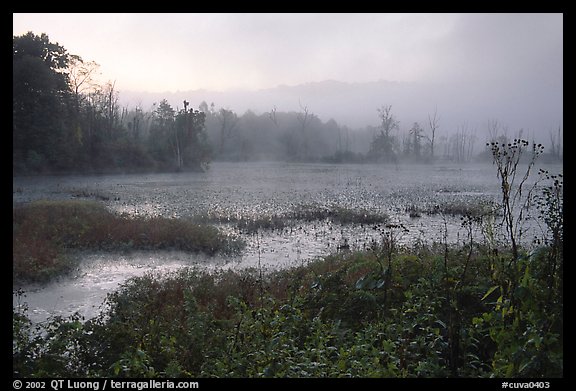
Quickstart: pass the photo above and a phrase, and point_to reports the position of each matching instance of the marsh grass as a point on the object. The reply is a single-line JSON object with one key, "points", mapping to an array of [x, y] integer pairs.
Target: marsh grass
{"points": [[44, 231], [338, 214], [454, 208], [300, 213]]}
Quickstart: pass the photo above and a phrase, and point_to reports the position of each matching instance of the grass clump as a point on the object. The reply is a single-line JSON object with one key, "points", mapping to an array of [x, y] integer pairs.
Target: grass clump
{"points": [[301, 213], [44, 231], [455, 208], [338, 214]]}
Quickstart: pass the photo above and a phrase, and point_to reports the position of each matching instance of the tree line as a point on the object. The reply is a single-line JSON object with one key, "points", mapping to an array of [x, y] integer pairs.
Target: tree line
{"points": [[63, 120]]}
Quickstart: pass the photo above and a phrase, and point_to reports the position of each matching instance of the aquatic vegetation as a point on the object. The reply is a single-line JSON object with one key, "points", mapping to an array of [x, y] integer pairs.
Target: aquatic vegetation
{"points": [[43, 231], [300, 213], [429, 309], [338, 214], [461, 208]]}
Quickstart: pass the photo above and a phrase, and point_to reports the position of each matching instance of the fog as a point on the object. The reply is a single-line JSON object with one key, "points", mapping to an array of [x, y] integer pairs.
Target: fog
{"points": [[534, 108], [227, 181], [471, 67]]}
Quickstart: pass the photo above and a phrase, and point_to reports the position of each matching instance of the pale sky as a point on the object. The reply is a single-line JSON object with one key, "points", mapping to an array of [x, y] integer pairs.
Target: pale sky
{"points": [[170, 52]]}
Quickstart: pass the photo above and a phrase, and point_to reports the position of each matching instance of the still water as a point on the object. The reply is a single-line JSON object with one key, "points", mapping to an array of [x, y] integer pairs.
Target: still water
{"points": [[255, 190]]}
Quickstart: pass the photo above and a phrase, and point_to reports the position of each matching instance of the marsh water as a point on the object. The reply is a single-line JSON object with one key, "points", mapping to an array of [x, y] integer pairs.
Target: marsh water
{"points": [[231, 191]]}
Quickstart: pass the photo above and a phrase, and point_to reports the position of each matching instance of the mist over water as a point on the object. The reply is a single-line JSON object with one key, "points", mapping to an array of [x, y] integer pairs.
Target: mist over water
{"points": [[229, 192]]}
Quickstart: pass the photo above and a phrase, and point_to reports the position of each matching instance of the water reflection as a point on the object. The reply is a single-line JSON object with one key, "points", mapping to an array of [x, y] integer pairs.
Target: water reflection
{"points": [[228, 192]]}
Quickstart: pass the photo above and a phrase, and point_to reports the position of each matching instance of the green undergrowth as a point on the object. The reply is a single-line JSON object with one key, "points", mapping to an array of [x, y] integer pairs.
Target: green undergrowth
{"points": [[44, 232], [431, 312]]}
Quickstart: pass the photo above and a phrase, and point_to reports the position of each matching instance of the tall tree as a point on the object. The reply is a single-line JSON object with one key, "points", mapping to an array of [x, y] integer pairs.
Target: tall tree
{"points": [[462, 143], [556, 143], [303, 118], [382, 146], [416, 133], [189, 139], [433, 124], [178, 139], [81, 75], [228, 122], [273, 117], [161, 131], [40, 101], [110, 108]]}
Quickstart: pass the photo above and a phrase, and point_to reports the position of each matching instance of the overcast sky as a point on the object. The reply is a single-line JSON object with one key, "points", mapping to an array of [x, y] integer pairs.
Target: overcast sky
{"points": [[169, 52], [471, 67]]}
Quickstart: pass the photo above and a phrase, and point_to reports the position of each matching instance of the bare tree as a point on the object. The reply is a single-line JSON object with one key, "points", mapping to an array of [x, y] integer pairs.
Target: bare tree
{"points": [[416, 134], [497, 132], [382, 146], [388, 122], [81, 75], [471, 142], [433, 124], [303, 118], [493, 129], [462, 143], [556, 142], [111, 107]]}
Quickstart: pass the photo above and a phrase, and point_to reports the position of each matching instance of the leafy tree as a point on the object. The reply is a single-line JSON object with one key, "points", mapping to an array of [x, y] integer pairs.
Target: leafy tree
{"points": [[190, 141], [160, 132], [178, 140], [40, 102], [63, 119]]}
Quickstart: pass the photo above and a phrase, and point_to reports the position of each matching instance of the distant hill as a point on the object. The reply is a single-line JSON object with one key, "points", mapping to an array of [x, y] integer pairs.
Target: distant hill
{"points": [[531, 107]]}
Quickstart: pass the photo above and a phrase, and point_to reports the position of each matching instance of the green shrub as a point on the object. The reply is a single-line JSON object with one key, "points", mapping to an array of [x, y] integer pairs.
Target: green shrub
{"points": [[445, 311]]}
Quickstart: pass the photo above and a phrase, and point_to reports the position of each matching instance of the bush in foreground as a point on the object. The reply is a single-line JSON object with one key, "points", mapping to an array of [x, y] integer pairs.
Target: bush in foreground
{"points": [[330, 318]]}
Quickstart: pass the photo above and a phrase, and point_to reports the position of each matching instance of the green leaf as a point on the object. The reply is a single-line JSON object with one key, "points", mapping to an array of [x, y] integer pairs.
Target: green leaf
{"points": [[360, 283], [522, 292], [441, 323], [366, 282], [489, 292], [477, 320]]}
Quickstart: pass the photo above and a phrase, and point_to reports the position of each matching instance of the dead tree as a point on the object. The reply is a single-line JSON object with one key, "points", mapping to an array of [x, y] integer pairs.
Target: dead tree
{"points": [[433, 124], [303, 120]]}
